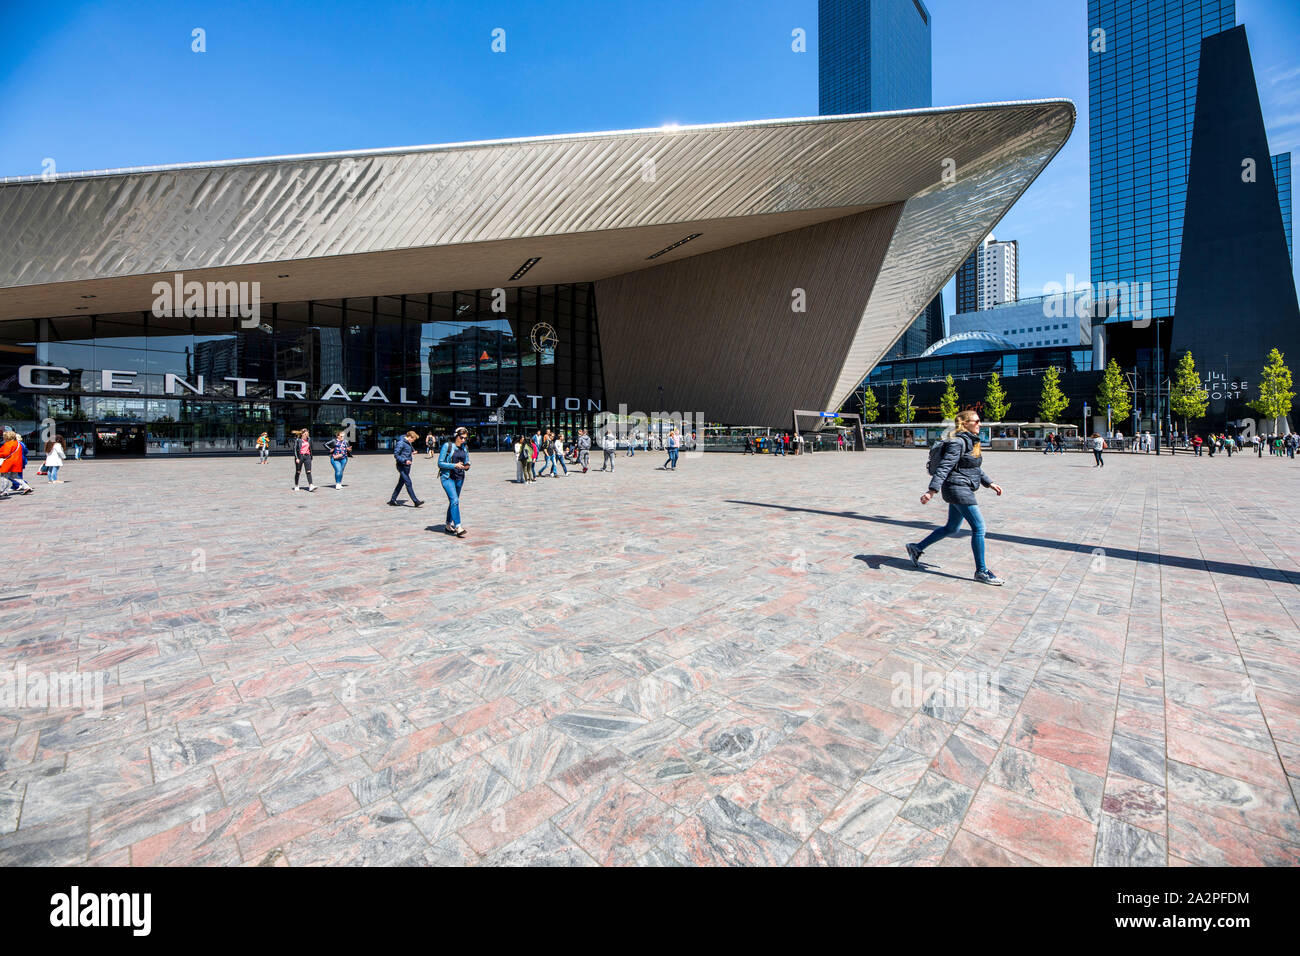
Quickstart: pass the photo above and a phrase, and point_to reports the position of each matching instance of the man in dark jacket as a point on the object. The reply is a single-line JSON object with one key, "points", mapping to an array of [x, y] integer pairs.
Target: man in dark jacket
{"points": [[957, 476], [403, 452]]}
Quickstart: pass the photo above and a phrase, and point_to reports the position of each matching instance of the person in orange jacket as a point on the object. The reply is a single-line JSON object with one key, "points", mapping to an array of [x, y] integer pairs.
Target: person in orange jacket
{"points": [[12, 463]]}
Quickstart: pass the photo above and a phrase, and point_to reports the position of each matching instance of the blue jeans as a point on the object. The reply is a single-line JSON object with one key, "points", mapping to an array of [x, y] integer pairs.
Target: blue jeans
{"points": [[53, 473], [972, 516], [339, 464], [672, 458], [451, 484]]}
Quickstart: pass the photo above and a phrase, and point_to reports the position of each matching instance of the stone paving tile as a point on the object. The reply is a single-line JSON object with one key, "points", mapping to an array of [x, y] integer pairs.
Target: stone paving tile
{"points": [[669, 688]]}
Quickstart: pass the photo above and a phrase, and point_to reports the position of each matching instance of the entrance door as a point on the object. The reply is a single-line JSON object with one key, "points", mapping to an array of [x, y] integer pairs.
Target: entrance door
{"points": [[119, 439]]}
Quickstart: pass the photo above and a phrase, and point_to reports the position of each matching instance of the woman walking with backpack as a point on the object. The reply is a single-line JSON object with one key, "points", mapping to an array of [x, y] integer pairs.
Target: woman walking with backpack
{"points": [[956, 473], [453, 462]]}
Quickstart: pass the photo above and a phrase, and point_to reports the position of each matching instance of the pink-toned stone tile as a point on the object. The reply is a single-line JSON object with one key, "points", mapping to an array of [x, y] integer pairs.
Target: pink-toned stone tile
{"points": [[1062, 744], [967, 849], [512, 819], [1028, 829]]}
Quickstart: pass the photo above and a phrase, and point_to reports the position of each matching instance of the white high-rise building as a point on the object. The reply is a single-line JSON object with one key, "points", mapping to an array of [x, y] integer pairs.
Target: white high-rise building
{"points": [[990, 276]]}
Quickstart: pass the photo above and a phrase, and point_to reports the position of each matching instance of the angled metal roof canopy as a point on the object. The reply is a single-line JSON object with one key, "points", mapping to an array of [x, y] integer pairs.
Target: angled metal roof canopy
{"points": [[890, 203]]}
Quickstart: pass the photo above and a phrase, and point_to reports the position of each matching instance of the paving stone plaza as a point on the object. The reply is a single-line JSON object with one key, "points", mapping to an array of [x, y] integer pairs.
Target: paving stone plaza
{"points": [[733, 664]]}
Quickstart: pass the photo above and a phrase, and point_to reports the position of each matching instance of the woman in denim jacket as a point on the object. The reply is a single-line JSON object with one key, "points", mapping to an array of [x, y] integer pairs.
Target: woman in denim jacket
{"points": [[453, 462]]}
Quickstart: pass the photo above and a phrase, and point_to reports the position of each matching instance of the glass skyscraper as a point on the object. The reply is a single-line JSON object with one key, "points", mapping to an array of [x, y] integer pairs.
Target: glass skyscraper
{"points": [[1142, 71], [874, 55]]}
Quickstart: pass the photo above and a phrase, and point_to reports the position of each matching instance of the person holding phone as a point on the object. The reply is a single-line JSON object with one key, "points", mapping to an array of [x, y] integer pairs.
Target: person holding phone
{"points": [[453, 462]]}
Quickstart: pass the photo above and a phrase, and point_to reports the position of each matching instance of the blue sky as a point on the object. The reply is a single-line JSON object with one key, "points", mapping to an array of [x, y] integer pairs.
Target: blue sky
{"points": [[102, 85]]}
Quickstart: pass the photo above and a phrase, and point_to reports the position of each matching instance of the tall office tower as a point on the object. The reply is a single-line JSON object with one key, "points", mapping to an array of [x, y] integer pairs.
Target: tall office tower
{"points": [[990, 276], [1236, 294], [1142, 69], [874, 55]]}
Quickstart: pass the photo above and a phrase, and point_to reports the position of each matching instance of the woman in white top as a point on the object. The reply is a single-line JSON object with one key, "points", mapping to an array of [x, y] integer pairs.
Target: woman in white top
{"points": [[54, 458]]}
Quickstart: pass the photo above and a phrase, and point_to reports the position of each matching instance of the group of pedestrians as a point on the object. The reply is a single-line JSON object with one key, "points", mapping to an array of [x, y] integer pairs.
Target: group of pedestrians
{"points": [[13, 462], [1055, 443], [1280, 446], [781, 444], [548, 446]]}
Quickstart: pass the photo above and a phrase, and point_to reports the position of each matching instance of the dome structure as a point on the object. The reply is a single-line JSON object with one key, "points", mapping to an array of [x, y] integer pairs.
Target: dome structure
{"points": [[974, 341]]}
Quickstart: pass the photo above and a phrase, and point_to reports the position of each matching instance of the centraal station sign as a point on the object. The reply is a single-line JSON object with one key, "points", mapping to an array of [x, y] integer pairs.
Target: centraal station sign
{"points": [[117, 382]]}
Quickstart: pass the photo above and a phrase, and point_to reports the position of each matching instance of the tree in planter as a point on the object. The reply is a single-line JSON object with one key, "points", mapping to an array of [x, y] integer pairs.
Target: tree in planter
{"points": [[1188, 399], [1113, 391], [1275, 395], [903, 409], [995, 400], [949, 404], [1052, 401], [870, 406]]}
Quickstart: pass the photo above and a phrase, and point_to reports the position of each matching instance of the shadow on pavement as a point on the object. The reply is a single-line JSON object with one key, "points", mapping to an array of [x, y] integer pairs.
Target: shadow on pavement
{"points": [[1122, 554]]}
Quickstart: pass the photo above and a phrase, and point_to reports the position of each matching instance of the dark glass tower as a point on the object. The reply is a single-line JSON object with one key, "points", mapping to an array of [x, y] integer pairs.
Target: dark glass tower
{"points": [[1142, 72], [874, 55], [1236, 297]]}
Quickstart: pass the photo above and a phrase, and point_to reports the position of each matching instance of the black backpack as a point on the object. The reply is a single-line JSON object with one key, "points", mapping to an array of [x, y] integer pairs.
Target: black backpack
{"points": [[936, 454]]}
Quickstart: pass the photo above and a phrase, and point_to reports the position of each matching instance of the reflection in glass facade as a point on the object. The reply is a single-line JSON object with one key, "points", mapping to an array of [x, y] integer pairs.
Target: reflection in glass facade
{"points": [[1141, 104], [1282, 179], [139, 383]]}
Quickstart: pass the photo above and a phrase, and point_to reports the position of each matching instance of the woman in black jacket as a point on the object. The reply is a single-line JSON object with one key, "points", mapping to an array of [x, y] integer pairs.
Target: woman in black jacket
{"points": [[956, 477]]}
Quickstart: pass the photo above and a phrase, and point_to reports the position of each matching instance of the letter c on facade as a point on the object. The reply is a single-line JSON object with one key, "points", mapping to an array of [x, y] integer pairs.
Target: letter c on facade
{"points": [[25, 376]]}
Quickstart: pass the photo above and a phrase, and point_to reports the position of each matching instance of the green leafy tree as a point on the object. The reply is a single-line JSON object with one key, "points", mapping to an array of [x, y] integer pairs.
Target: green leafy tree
{"points": [[870, 406], [1275, 395], [1188, 398], [904, 409], [950, 404], [995, 400], [1052, 401], [1113, 391]]}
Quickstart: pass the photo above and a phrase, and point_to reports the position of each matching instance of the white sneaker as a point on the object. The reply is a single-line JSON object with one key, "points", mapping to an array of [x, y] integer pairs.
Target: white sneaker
{"points": [[338, 487], [311, 487]]}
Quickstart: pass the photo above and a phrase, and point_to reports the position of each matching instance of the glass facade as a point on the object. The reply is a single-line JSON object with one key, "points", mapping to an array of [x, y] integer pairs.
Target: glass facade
{"points": [[1141, 105], [1282, 179], [140, 383], [1020, 372], [873, 55]]}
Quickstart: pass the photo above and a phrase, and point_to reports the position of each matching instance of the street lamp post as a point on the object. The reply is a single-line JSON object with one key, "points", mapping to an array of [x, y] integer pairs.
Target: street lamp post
{"points": [[661, 414], [1155, 414]]}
